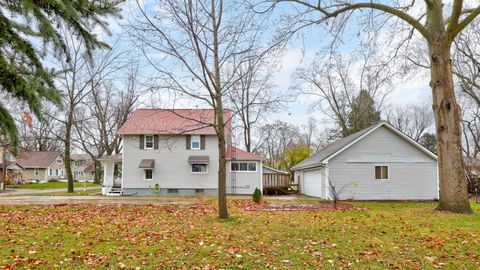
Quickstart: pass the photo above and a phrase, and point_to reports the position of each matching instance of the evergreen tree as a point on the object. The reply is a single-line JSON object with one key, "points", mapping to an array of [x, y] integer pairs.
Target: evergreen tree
{"points": [[362, 113], [23, 23]]}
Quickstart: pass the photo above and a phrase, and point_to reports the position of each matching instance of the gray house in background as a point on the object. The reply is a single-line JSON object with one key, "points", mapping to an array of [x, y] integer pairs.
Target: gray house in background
{"points": [[176, 152], [377, 163]]}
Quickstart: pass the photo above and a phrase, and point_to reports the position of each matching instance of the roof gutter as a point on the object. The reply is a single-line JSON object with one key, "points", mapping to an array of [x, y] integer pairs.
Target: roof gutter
{"points": [[314, 166]]}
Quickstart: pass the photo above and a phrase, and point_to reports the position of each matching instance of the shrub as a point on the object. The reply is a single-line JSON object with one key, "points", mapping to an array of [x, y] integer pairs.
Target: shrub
{"points": [[257, 196], [53, 180]]}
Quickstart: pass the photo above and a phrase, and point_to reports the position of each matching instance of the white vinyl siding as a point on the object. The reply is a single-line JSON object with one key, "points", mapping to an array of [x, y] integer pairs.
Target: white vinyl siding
{"points": [[412, 175]]}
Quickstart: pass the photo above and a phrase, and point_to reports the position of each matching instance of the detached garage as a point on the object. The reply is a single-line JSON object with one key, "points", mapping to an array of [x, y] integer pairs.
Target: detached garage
{"points": [[377, 163]]}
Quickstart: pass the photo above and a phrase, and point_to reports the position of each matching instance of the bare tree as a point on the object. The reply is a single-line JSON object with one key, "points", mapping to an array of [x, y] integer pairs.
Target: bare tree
{"points": [[438, 25], [413, 120], [36, 135], [275, 138], [80, 76], [105, 110], [195, 48], [254, 94], [336, 81]]}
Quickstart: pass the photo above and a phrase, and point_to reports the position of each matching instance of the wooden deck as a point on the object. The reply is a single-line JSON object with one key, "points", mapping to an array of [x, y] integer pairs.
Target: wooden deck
{"points": [[275, 183]]}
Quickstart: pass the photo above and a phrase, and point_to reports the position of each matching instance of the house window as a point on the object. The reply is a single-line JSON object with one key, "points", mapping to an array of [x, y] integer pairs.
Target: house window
{"points": [[59, 160], [172, 190], [195, 143], [36, 172], [148, 142], [381, 172], [244, 167], [199, 168], [53, 172], [148, 174], [79, 163]]}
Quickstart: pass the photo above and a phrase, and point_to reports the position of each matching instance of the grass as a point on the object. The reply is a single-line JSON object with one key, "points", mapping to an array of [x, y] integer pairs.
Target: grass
{"points": [[404, 235], [52, 185], [78, 192]]}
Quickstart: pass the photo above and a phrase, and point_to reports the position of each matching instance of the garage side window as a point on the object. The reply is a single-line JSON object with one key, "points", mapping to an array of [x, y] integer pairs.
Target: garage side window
{"points": [[381, 172]]}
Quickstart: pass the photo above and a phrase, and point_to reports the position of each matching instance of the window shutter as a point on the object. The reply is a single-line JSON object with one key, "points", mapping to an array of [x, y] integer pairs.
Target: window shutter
{"points": [[202, 142], [189, 142], [155, 142], [142, 141]]}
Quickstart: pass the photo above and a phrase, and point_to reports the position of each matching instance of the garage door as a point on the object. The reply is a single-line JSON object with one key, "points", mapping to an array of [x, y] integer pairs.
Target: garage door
{"points": [[312, 183]]}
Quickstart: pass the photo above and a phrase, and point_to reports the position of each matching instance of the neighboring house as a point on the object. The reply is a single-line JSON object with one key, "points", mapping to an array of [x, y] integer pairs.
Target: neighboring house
{"points": [[41, 166], [14, 172], [377, 163], [79, 164], [177, 151]]}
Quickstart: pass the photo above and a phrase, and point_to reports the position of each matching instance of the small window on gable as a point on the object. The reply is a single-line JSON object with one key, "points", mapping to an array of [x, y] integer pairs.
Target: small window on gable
{"points": [[59, 160], [381, 172], [148, 175], [195, 143], [148, 141]]}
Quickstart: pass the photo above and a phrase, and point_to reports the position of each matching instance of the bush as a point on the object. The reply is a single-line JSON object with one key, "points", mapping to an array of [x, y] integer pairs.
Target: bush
{"points": [[53, 180], [257, 196]]}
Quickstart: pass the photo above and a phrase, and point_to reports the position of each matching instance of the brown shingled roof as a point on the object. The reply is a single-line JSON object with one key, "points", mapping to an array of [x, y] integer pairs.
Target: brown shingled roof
{"points": [[171, 121], [37, 159], [234, 152]]}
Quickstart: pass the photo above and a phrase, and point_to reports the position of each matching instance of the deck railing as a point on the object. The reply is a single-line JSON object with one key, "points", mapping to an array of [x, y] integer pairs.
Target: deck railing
{"points": [[275, 181]]}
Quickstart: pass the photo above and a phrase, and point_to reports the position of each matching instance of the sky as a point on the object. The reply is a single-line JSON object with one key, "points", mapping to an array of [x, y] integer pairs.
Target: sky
{"points": [[299, 53]]}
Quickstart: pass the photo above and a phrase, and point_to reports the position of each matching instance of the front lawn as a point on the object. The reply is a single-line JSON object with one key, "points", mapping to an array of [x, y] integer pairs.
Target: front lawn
{"points": [[53, 185], [384, 236]]}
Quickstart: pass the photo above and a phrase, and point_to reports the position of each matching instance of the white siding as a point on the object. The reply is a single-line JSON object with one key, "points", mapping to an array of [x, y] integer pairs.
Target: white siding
{"points": [[173, 171], [171, 164], [246, 182], [412, 174]]}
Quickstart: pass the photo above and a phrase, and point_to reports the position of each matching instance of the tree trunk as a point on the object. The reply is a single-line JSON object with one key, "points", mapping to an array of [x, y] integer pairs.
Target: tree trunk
{"points": [[68, 168], [222, 163], [453, 184], [96, 177]]}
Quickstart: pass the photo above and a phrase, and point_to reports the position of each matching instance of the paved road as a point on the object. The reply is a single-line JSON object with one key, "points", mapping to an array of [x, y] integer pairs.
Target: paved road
{"points": [[19, 191]]}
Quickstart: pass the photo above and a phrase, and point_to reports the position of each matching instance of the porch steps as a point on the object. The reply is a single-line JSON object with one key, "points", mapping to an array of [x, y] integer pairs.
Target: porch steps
{"points": [[114, 191]]}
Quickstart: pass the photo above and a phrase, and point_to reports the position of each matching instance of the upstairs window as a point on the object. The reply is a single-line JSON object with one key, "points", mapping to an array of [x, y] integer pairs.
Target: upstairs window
{"points": [[36, 172], [59, 160], [244, 167], [381, 172], [195, 142], [148, 142], [79, 163]]}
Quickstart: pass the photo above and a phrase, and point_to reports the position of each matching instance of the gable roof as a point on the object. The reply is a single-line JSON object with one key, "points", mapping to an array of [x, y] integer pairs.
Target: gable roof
{"points": [[237, 153], [10, 163], [79, 157], [172, 121], [37, 159], [332, 149]]}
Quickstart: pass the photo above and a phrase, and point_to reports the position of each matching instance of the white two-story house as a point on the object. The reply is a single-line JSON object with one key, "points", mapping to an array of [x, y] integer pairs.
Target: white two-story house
{"points": [[176, 152]]}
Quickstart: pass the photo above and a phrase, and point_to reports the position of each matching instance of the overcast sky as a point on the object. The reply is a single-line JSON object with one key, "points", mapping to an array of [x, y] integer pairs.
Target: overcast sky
{"points": [[299, 53]]}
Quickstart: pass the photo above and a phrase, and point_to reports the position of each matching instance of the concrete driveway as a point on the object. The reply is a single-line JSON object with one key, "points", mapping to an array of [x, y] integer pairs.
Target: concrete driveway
{"points": [[100, 200]]}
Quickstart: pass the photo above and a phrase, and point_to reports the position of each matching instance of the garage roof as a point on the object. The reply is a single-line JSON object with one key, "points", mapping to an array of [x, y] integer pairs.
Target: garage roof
{"points": [[332, 149]]}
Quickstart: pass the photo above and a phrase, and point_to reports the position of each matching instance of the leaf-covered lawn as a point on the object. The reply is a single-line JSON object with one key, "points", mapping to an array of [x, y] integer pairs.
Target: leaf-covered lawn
{"points": [[53, 185], [386, 235]]}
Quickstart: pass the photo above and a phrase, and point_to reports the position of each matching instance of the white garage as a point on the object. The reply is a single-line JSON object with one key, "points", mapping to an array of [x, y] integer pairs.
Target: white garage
{"points": [[312, 183], [377, 163]]}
